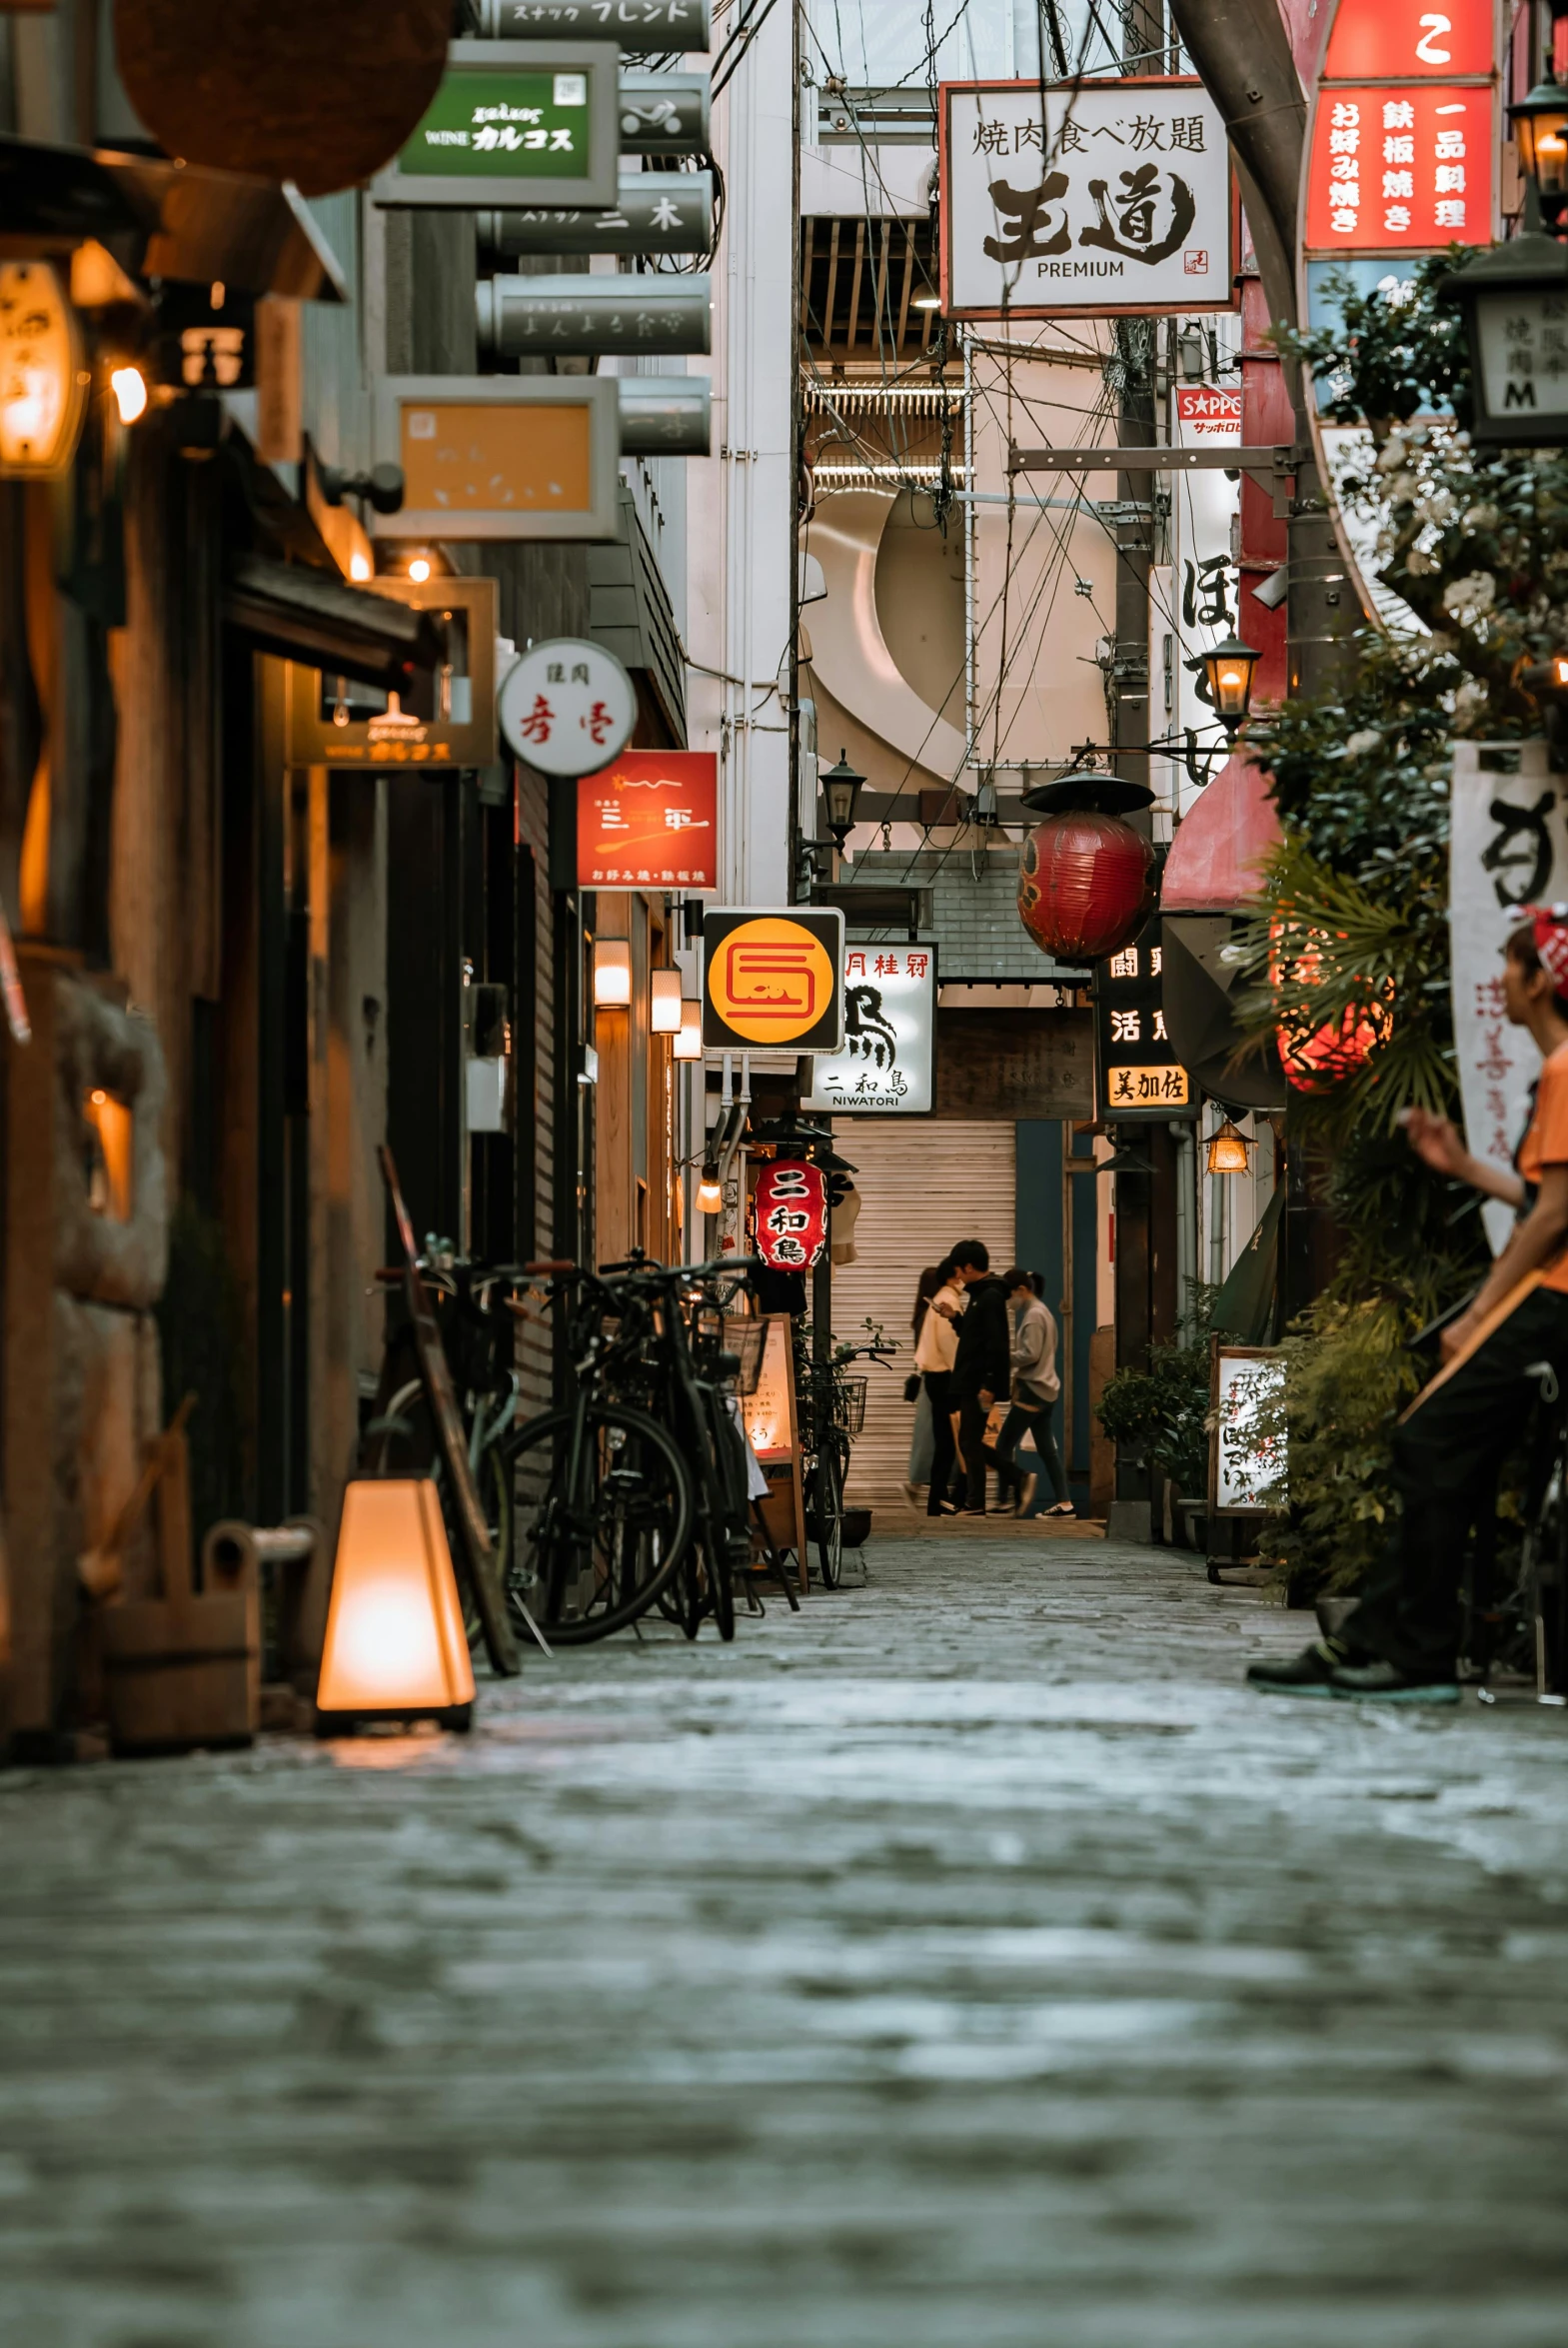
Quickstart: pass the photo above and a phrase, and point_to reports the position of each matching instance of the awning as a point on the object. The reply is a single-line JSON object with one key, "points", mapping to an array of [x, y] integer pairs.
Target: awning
{"points": [[163, 219], [1217, 857], [305, 615]]}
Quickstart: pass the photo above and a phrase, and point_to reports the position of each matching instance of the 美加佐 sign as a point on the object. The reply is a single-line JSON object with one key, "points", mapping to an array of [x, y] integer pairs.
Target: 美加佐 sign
{"points": [[1091, 199]]}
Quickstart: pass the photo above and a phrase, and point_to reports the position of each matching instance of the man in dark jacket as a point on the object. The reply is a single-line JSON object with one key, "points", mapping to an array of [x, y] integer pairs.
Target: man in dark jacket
{"points": [[983, 1367]]}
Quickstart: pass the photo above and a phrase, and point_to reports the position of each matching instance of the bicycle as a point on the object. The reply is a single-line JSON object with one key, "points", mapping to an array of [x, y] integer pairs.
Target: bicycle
{"points": [[832, 1413]]}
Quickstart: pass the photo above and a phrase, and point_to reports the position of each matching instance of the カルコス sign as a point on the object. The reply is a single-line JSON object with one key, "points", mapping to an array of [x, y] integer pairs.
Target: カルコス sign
{"points": [[791, 1215]]}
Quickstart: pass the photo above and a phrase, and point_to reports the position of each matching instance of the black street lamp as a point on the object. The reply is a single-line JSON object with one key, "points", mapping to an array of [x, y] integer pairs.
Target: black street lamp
{"points": [[1540, 124], [1231, 667], [840, 788], [1514, 302]]}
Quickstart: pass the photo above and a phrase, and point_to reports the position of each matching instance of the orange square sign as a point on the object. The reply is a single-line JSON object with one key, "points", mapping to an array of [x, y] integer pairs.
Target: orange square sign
{"points": [[650, 819]]}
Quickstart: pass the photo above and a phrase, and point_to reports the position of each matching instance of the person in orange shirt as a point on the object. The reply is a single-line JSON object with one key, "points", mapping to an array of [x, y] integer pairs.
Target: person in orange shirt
{"points": [[1400, 1643]]}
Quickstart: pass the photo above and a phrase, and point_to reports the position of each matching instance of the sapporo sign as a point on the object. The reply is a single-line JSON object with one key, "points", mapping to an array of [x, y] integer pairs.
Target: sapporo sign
{"points": [[770, 979], [511, 117], [1136, 1072], [889, 1020], [1084, 200]]}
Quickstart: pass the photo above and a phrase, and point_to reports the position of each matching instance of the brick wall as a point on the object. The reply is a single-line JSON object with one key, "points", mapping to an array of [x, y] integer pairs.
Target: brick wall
{"points": [[974, 920]]}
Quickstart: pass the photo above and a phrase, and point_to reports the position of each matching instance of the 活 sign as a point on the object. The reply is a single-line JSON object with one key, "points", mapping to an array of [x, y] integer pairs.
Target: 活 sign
{"points": [[1092, 199], [568, 707], [1136, 1072], [770, 979], [889, 1018]]}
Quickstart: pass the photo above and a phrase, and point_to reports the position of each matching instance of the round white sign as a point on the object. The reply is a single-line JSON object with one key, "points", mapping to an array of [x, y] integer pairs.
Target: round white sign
{"points": [[568, 707]]}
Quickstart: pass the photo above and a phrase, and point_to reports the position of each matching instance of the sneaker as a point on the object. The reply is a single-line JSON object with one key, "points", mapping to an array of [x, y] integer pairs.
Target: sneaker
{"points": [[943, 1509], [1027, 1491], [1062, 1509], [1308, 1674], [1388, 1683]]}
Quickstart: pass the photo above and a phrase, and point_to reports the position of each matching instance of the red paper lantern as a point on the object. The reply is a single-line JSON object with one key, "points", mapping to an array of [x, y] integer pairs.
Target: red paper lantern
{"points": [[1086, 883], [1313, 1058], [791, 1214]]}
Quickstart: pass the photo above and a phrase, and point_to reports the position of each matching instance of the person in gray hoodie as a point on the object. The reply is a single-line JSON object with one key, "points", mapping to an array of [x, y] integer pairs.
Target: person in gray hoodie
{"points": [[1035, 1390]]}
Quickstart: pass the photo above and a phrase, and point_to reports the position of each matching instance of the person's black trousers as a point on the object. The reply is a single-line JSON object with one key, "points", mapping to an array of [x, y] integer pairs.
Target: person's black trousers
{"points": [[1015, 1426], [972, 1414], [1446, 1459], [938, 1385]]}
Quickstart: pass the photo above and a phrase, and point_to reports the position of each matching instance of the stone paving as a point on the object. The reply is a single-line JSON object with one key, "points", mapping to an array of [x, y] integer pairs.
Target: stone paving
{"points": [[966, 1962]]}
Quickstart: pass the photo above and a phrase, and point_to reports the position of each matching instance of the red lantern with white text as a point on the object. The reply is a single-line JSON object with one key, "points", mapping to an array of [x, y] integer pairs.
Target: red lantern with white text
{"points": [[791, 1214], [1085, 877]]}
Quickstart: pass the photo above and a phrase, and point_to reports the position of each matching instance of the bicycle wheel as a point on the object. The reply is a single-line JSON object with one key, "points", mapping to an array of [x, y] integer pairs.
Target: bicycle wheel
{"points": [[827, 1494], [598, 1533]]}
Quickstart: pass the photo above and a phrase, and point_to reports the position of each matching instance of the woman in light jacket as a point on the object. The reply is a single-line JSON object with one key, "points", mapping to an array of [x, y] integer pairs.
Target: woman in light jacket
{"points": [[934, 1349]]}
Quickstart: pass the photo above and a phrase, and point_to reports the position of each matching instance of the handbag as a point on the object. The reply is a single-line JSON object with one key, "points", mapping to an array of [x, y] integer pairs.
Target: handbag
{"points": [[911, 1387]]}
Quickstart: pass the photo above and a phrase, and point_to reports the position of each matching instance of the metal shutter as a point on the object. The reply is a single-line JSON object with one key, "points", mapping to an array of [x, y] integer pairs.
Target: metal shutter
{"points": [[922, 1186]]}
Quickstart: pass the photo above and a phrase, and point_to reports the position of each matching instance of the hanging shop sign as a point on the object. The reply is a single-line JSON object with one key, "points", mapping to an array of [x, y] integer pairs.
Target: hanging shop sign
{"points": [[890, 1023], [790, 1201], [489, 455], [1137, 1072], [643, 28], [666, 415], [1194, 598], [1247, 1450], [654, 212], [514, 118], [567, 707], [664, 114], [1508, 847], [650, 819], [772, 980], [1097, 199], [643, 316], [338, 722]]}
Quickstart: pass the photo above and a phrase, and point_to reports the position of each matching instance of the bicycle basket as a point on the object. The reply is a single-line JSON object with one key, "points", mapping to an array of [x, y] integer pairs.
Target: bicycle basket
{"points": [[748, 1339], [850, 1403]]}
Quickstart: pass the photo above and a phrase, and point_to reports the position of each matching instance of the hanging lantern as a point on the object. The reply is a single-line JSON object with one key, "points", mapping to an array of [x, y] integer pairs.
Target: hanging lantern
{"points": [[395, 1649], [791, 1214], [1227, 1150], [43, 382], [1314, 1057], [1085, 877]]}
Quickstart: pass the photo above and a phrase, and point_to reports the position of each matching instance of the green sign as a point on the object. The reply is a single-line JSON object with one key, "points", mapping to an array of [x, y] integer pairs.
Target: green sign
{"points": [[528, 126], [515, 122]]}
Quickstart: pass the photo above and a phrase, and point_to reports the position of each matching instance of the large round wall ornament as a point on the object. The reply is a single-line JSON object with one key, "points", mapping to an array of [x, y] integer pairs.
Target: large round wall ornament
{"points": [[320, 92], [1085, 877], [567, 707]]}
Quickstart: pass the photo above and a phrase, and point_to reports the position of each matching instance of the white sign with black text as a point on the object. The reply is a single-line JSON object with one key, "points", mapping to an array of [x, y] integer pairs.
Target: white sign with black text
{"points": [[889, 1027], [1103, 199]]}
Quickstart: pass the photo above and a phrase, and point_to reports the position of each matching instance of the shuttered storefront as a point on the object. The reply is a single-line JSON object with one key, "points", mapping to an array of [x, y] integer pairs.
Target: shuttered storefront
{"points": [[924, 1185]]}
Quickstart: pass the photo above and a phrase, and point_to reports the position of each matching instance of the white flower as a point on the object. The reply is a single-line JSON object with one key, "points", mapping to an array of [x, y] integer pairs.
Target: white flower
{"points": [[1469, 699], [1468, 600], [1418, 563], [1482, 517], [1368, 738], [1438, 507]]}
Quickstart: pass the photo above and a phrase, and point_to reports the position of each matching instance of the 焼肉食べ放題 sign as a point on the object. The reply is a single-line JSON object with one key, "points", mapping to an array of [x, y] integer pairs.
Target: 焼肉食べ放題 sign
{"points": [[1096, 199], [772, 980], [650, 819], [890, 1003]]}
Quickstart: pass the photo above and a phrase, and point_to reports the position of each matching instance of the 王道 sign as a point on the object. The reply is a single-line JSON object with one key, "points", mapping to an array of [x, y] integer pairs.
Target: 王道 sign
{"points": [[1096, 199]]}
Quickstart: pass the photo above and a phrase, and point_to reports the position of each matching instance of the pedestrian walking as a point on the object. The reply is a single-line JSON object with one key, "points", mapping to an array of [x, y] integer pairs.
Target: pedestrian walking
{"points": [[921, 1439], [982, 1364], [1033, 1395], [935, 1349], [1400, 1643]]}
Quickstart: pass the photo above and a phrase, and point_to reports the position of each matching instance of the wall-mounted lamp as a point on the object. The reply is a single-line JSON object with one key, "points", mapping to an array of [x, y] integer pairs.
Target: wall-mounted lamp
{"points": [[129, 387], [1540, 127], [841, 787], [1227, 1150], [689, 1037], [664, 1013], [1230, 668], [612, 974], [710, 1191], [43, 381]]}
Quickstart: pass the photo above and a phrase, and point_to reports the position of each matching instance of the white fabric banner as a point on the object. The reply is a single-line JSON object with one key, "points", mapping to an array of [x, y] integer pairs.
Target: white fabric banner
{"points": [[1509, 847]]}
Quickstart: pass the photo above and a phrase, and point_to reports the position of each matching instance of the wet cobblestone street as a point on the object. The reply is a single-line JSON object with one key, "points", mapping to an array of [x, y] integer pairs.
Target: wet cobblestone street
{"points": [[968, 1962]]}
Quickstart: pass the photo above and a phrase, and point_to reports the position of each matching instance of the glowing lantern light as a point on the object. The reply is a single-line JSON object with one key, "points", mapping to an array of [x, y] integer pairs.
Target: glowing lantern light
{"points": [[1085, 877], [1317, 1057], [395, 1646], [612, 974], [688, 1038], [1227, 1150], [43, 383], [664, 1013]]}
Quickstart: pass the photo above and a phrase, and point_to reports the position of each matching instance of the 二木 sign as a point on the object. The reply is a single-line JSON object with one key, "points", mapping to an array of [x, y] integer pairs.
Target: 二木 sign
{"points": [[650, 819], [568, 707], [889, 1004], [1091, 199]]}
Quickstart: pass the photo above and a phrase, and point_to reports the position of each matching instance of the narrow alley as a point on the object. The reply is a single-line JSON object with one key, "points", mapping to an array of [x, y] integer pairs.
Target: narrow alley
{"points": [[967, 1959]]}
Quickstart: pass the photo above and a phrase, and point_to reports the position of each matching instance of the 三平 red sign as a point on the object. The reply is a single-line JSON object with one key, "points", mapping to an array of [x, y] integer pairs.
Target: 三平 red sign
{"points": [[650, 819], [791, 1215]]}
